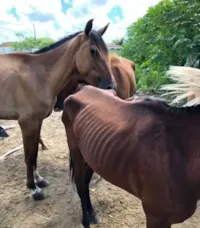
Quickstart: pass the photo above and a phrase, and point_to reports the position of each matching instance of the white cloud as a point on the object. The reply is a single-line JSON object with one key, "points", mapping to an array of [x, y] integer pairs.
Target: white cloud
{"points": [[71, 21]]}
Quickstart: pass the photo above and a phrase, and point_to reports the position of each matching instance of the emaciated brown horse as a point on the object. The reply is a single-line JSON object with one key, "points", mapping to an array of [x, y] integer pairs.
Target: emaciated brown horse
{"points": [[146, 147], [30, 83]]}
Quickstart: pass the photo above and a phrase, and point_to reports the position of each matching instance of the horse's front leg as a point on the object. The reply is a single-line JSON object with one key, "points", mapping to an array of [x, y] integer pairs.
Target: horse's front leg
{"points": [[31, 134], [77, 167]]}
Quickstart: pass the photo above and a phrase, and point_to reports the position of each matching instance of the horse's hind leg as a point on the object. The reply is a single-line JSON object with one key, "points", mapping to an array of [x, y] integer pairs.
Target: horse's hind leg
{"points": [[154, 222], [92, 214], [44, 147], [31, 134]]}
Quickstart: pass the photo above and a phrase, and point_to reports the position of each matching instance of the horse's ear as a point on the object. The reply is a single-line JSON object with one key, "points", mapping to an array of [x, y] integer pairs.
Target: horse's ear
{"points": [[88, 27], [102, 30]]}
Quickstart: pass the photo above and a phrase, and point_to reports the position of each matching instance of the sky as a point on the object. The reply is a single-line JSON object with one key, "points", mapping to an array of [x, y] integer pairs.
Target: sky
{"points": [[58, 18]]}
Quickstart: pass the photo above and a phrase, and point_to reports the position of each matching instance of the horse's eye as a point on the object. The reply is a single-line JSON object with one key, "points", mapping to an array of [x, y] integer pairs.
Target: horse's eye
{"points": [[93, 51]]}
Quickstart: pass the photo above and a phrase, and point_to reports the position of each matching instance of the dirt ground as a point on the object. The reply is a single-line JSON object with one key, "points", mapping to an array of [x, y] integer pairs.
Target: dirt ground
{"points": [[61, 209]]}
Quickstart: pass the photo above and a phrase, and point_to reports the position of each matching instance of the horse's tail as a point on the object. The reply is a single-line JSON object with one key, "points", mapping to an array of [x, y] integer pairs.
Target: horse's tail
{"points": [[188, 85], [71, 168]]}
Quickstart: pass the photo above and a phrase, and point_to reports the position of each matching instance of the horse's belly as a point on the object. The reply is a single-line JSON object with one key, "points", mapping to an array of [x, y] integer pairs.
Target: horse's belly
{"points": [[8, 115], [8, 111]]}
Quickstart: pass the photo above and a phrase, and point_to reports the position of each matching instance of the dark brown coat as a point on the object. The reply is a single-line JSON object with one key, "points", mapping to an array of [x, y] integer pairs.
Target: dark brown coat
{"points": [[146, 147]]}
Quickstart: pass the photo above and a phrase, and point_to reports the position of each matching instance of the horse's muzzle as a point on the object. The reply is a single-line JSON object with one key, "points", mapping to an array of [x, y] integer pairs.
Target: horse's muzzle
{"points": [[107, 84]]}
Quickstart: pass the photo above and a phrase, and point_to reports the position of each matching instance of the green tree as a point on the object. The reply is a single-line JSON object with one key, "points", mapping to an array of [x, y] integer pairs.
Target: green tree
{"points": [[169, 34], [119, 41], [29, 44]]}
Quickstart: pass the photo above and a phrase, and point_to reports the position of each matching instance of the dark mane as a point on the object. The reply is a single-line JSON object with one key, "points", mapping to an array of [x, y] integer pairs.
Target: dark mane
{"points": [[57, 43], [161, 105], [193, 110], [97, 40]]}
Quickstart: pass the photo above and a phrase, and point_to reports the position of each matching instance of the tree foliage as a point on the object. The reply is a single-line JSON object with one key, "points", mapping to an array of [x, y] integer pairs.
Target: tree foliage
{"points": [[119, 41], [169, 34], [30, 44]]}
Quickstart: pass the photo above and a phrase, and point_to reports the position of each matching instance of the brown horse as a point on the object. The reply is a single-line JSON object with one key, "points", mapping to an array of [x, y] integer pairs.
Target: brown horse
{"points": [[123, 72], [146, 147], [30, 84]]}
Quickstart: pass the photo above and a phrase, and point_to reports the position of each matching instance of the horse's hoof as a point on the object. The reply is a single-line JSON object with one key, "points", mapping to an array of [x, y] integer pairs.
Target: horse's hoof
{"points": [[42, 183], [94, 219], [38, 195]]}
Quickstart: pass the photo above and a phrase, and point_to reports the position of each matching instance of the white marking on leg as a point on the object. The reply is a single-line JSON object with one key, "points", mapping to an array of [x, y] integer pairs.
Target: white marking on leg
{"points": [[36, 190], [37, 176], [96, 178]]}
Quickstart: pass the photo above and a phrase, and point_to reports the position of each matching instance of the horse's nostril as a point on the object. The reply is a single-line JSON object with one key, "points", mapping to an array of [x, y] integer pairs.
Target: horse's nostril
{"points": [[111, 86]]}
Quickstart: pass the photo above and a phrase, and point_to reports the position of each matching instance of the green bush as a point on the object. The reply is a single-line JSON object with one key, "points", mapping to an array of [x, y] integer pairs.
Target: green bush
{"points": [[167, 35]]}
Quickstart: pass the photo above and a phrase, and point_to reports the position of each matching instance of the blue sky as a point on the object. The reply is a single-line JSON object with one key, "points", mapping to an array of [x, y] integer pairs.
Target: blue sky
{"points": [[57, 18]]}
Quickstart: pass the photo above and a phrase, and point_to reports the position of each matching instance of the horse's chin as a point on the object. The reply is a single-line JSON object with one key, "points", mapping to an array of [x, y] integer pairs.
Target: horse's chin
{"points": [[80, 85]]}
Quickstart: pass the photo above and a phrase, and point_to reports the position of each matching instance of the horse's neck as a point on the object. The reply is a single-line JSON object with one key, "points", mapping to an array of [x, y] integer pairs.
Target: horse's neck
{"points": [[59, 64]]}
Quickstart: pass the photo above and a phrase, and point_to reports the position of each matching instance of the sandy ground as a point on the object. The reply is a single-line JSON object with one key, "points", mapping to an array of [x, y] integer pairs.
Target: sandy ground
{"points": [[61, 209]]}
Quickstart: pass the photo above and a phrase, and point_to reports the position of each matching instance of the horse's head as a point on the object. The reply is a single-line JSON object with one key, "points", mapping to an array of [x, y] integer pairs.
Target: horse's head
{"points": [[91, 63], [92, 58]]}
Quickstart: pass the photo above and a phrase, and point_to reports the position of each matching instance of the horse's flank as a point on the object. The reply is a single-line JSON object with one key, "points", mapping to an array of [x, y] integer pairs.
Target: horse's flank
{"points": [[26, 76]]}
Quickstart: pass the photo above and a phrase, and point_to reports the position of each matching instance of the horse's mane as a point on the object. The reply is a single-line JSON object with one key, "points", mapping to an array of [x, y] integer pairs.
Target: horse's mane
{"points": [[160, 105], [113, 57], [95, 38], [57, 43]]}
